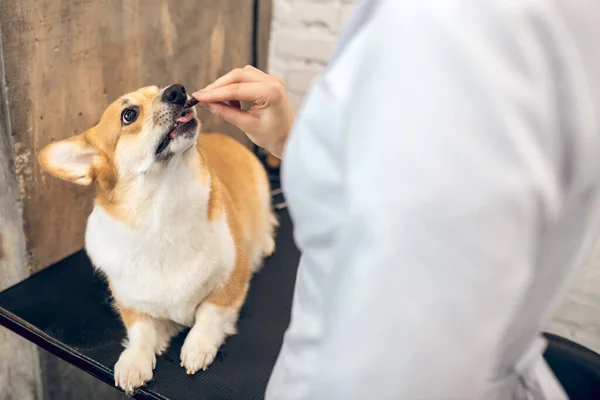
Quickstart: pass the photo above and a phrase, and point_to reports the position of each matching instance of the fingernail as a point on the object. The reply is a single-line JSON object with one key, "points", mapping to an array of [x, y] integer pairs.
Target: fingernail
{"points": [[199, 93], [204, 105]]}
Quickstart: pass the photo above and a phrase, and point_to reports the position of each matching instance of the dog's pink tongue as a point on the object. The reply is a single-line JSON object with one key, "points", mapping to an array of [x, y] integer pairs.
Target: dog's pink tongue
{"points": [[186, 118]]}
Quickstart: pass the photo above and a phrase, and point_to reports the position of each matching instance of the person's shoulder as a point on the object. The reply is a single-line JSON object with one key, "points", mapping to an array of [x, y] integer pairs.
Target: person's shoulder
{"points": [[461, 8], [450, 4], [498, 21]]}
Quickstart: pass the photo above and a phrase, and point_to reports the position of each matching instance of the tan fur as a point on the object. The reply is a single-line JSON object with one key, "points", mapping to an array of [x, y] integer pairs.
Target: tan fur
{"points": [[273, 161], [236, 185], [130, 316], [224, 158]]}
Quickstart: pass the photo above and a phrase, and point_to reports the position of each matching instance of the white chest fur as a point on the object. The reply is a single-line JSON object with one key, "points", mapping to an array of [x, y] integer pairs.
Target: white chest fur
{"points": [[171, 262]]}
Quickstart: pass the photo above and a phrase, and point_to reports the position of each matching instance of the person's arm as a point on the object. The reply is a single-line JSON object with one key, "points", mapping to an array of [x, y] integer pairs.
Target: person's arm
{"points": [[448, 185]]}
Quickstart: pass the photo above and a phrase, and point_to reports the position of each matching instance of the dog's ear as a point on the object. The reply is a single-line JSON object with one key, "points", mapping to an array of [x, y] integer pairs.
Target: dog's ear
{"points": [[70, 159]]}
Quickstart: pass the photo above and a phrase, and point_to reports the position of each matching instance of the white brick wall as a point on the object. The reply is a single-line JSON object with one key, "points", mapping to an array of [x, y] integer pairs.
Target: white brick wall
{"points": [[303, 36], [578, 317], [304, 33]]}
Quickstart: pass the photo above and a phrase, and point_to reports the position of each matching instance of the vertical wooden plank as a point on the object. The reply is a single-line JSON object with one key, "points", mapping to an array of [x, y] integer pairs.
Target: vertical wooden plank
{"points": [[19, 362], [65, 61], [264, 10]]}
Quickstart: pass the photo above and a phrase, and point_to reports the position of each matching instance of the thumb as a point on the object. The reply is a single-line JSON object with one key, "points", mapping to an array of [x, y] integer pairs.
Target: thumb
{"points": [[242, 119]]}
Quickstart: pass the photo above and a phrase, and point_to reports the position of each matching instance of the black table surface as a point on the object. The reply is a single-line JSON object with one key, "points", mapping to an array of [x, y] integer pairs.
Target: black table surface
{"points": [[65, 309]]}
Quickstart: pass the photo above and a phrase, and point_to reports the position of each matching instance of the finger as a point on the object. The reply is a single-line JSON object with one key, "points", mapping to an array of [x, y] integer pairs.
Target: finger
{"points": [[242, 119], [239, 75], [235, 92], [235, 103]]}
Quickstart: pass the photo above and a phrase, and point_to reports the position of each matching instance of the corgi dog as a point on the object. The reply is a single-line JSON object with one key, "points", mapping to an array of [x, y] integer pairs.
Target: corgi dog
{"points": [[180, 223]]}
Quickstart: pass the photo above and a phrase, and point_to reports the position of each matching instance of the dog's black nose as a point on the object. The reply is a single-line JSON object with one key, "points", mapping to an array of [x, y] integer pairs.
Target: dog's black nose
{"points": [[175, 94]]}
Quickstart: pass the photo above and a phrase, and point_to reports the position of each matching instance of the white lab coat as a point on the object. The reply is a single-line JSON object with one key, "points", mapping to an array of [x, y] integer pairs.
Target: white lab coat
{"points": [[443, 180]]}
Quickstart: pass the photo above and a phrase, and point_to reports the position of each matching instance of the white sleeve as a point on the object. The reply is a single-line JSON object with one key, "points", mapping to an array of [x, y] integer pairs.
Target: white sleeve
{"points": [[448, 184]]}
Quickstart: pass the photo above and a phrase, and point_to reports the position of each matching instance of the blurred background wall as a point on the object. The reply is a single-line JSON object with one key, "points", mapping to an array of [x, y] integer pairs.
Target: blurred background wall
{"points": [[578, 316], [303, 36], [304, 33]]}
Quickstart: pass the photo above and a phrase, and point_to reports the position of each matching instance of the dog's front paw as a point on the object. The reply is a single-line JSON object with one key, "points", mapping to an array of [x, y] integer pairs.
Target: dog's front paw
{"points": [[134, 369], [197, 354]]}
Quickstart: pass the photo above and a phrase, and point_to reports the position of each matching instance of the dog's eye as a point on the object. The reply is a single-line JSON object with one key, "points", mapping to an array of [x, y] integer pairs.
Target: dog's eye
{"points": [[128, 116]]}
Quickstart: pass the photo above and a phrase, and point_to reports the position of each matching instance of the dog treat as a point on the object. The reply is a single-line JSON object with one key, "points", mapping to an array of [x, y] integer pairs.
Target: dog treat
{"points": [[190, 103]]}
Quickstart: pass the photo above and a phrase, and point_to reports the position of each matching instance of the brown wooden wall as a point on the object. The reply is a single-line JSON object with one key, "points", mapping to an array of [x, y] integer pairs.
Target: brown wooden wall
{"points": [[65, 61]]}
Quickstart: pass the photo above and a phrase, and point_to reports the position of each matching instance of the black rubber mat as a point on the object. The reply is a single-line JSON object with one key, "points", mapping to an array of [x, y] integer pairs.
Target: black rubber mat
{"points": [[65, 310]]}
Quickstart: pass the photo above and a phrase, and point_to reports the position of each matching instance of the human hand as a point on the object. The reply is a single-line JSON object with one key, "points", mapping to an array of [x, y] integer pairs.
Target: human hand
{"points": [[270, 118]]}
